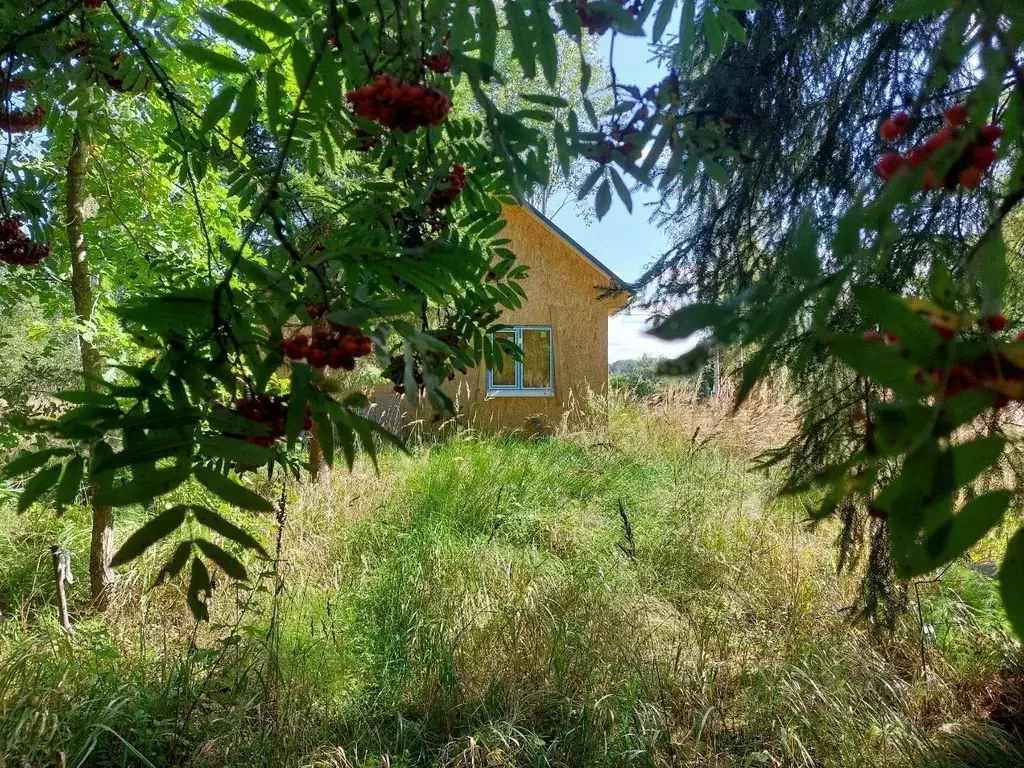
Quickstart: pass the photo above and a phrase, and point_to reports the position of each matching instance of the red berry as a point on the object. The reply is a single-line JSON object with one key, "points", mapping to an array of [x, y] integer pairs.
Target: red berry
{"points": [[317, 357], [889, 164], [997, 322], [970, 178], [938, 140], [890, 130], [990, 134], [983, 156], [439, 62], [871, 335], [902, 119], [1020, 336], [93, 5], [891, 338], [919, 156], [930, 180], [944, 330], [956, 115]]}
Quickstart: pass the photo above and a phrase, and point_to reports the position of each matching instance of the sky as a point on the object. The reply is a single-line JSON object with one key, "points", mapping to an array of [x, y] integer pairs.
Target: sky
{"points": [[624, 242]]}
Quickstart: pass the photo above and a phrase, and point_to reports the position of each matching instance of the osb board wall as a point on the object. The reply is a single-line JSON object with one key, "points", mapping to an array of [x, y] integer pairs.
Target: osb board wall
{"points": [[563, 291]]}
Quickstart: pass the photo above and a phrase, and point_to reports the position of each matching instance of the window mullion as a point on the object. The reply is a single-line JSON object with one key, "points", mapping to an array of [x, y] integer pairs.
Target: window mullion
{"points": [[519, 363]]}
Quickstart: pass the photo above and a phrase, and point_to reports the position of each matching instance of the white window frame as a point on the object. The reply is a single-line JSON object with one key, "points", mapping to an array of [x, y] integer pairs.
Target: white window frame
{"points": [[517, 389]]}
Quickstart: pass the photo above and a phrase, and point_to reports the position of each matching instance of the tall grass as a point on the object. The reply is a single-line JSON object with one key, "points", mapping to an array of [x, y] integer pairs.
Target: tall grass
{"points": [[627, 594]]}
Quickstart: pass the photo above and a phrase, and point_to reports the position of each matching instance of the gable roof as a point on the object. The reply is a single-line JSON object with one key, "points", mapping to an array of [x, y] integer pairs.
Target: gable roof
{"points": [[616, 281]]}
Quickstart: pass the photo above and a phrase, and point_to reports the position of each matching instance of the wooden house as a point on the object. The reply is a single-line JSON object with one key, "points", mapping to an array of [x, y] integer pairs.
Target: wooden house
{"points": [[562, 329]]}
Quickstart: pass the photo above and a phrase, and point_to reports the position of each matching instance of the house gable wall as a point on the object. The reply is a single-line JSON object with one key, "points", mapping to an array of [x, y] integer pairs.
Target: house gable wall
{"points": [[563, 291]]}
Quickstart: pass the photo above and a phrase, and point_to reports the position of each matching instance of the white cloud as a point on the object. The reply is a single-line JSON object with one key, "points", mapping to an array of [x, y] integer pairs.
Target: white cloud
{"points": [[628, 339]]}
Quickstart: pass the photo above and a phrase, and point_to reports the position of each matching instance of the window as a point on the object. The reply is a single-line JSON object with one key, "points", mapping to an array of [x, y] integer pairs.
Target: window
{"points": [[534, 375]]}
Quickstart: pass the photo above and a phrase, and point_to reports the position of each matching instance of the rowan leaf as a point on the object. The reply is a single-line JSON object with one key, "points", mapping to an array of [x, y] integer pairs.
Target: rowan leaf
{"points": [[231, 492], [156, 529]]}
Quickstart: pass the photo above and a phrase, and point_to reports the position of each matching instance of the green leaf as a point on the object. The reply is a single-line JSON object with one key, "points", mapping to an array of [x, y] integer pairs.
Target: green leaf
{"points": [[324, 435], [37, 486], [590, 181], [231, 492], [622, 190], [146, 488], [218, 107], [174, 564], [718, 172], [686, 364], [909, 10], [941, 286], [802, 254], [972, 458], [70, 481], [262, 18], [544, 35], [487, 25], [741, 5], [235, 32], [235, 450], [522, 39], [958, 534], [993, 272], [732, 26], [301, 61], [232, 423], [889, 312], [219, 524], [297, 401], [546, 99], [211, 58], [878, 362], [300, 8], [28, 461], [1011, 582], [230, 564], [662, 18], [685, 322], [199, 590], [712, 33], [157, 529], [687, 28], [245, 108], [145, 451], [603, 199]]}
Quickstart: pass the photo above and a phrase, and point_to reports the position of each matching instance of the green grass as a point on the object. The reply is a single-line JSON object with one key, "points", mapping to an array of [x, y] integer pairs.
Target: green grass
{"points": [[479, 604]]}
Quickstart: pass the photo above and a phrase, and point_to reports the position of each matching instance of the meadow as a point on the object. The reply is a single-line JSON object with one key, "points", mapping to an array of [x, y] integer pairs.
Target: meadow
{"points": [[630, 592]]}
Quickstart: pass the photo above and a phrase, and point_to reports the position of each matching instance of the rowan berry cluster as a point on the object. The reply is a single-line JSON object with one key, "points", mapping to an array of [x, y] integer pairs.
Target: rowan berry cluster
{"points": [[270, 411], [337, 348], [440, 62], [1001, 371], [398, 105], [598, 22], [968, 171], [16, 249], [20, 121], [621, 140], [14, 84], [443, 197]]}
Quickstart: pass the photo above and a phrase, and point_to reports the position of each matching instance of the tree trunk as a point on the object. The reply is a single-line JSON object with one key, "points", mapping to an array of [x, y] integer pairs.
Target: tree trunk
{"points": [[101, 551], [316, 454]]}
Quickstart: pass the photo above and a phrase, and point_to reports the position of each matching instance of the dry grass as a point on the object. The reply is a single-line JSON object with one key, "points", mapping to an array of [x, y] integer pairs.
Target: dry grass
{"points": [[480, 604]]}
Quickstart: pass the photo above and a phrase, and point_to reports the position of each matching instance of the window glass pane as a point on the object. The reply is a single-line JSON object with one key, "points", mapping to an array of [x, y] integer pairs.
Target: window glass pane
{"points": [[506, 377], [536, 358]]}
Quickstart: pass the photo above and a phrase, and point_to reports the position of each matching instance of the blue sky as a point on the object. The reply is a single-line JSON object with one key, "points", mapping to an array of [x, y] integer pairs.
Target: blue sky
{"points": [[624, 242]]}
